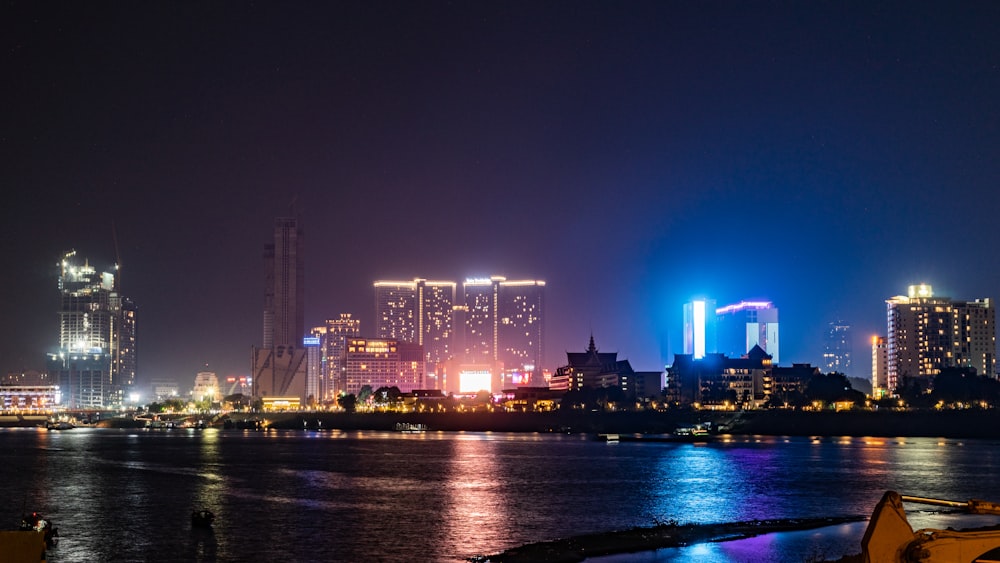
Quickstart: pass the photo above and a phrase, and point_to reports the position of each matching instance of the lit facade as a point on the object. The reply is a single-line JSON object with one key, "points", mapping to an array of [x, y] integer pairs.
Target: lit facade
{"points": [[494, 321], [383, 362], [396, 310], [520, 329], [743, 325], [333, 348], [504, 322], [700, 328], [927, 333], [837, 348], [480, 308], [206, 387], [96, 362], [419, 311], [880, 367]]}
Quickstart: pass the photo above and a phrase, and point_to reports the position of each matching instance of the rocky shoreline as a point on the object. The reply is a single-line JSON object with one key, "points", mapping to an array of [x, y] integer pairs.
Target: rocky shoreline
{"points": [[579, 548]]}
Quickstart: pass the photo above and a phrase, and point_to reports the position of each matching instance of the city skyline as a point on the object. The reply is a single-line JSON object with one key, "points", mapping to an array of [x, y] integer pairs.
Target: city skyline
{"points": [[820, 156]]}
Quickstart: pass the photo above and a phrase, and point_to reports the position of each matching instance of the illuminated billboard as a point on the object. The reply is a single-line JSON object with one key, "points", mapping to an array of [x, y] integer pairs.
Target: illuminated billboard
{"points": [[471, 381]]}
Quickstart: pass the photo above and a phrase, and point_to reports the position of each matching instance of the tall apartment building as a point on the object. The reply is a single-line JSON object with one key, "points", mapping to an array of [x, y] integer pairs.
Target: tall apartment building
{"points": [[279, 365], [494, 322], [837, 348], [746, 324], [96, 361], [700, 336], [519, 322], [880, 367], [332, 340], [927, 333], [418, 311]]}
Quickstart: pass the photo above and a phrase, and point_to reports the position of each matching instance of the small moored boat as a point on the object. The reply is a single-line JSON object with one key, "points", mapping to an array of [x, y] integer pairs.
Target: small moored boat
{"points": [[202, 519]]}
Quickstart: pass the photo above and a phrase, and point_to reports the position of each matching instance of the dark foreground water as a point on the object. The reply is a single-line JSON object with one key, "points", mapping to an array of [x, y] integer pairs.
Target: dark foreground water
{"points": [[127, 495]]}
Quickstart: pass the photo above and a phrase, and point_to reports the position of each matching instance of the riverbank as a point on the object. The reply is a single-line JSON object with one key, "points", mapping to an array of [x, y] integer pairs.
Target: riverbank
{"points": [[966, 424], [969, 424], [580, 548]]}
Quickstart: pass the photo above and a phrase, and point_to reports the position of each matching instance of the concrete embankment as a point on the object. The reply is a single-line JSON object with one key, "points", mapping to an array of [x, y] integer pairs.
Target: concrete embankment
{"points": [[983, 424]]}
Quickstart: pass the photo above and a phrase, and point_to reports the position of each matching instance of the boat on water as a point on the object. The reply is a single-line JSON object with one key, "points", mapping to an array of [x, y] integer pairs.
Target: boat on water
{"points": [[202, 519], [889, 537], [59, 425], [693, 433], [410, 427]]}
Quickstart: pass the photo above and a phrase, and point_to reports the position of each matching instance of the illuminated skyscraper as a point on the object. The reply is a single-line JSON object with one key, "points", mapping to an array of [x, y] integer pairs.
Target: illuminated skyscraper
{"points": [[520, 324], [927, 333], [480, 310], [95, 365], [418, 311], [435, 314], [746, 324], [504, 322], [333, 349], [700, 328], [396, 310], [837, 348]]}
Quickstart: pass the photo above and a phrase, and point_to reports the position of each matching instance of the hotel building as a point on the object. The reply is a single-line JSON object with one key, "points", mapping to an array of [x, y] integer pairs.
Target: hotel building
{"points": [[420, 312], [332, 351], [383, 362], [927, 333]]}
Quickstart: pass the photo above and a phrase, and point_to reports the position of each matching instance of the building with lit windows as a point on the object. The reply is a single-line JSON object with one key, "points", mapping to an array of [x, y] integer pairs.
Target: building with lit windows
{"points": [[592, 368], [422, 312], [396, 310], [480, 312], [505, 324], [837, 348], [495, 322], [746, 324], [880, 367], [95, 365], [279, 365], [927, 333], [700, 328], [383, 362], [332, 349], [520, 329], [718, 381]]}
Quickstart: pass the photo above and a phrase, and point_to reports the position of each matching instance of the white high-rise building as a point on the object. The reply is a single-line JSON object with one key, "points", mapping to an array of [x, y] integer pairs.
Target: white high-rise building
{"points": [[928, 333], [700, 336], [746, 324]]}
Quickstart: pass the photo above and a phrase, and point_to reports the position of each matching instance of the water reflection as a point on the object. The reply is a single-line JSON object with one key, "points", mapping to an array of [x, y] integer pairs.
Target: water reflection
{"points": [[476, 508]]}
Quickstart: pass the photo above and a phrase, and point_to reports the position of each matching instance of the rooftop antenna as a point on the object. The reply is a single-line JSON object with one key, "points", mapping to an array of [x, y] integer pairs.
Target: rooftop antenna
{"points": [[118, 258]]}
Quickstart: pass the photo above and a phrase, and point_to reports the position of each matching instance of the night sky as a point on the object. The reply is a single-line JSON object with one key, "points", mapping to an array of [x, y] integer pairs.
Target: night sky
{"points": [[634, 155]]}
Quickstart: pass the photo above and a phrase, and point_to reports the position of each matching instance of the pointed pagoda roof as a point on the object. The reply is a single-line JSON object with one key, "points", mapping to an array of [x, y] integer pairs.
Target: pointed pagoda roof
{"points": [[591, 357], [758, 353]]}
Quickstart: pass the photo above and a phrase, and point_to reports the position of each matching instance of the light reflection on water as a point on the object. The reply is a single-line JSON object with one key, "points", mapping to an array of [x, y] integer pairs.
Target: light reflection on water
{"points": [[359, 496]]}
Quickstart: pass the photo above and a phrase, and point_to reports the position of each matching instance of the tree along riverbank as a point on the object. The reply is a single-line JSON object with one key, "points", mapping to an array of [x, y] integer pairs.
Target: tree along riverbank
{"points": [[984, 424]]}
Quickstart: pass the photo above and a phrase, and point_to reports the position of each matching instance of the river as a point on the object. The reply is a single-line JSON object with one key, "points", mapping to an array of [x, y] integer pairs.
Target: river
{"points": [[126, 495]]}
